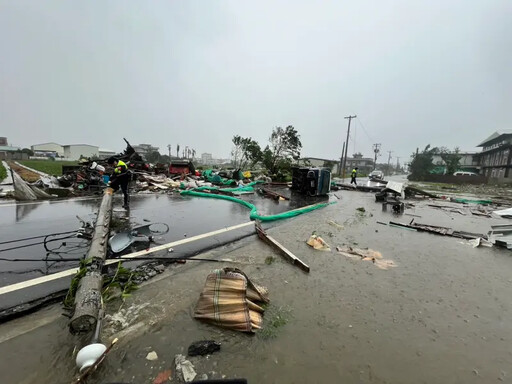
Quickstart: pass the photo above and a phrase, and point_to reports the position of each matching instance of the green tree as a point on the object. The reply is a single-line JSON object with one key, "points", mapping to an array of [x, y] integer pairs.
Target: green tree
{"points": [[246, 152], [451, 159], [422, 163], [27, 151], [284, 146]]}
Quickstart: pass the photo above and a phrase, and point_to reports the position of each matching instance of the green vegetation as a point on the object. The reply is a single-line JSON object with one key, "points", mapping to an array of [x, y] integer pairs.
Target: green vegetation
{"points": [[269, 260], [50, 167], [276, 318], [3, 172]]}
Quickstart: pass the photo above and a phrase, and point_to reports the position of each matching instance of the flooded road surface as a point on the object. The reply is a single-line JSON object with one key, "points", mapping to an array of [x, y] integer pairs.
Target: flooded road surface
{"points": [[185, 216], [441, 316]]}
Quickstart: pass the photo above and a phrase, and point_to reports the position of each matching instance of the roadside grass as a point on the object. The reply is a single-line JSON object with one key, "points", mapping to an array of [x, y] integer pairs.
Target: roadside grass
{"points": [[3, 172], [50, 167]]}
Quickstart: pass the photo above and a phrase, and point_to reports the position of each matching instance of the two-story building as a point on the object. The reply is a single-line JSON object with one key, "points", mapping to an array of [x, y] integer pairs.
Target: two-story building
{"points": [[495, 159]]}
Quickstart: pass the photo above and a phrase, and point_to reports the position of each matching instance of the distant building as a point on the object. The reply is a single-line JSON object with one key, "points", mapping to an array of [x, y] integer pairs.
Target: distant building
{"points": [[105, 153], [206, 159], [48, 147], [468, 161], [76, 151], [3, 141], [495, 159], [12, 153], [71, 152], [333, 165], [145, 149]]}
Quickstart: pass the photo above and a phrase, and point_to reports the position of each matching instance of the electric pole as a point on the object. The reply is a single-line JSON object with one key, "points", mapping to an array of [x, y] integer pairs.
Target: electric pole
{"points": [[376, 151], [169, 148], [341, 158], [397, 164], [389, 161], [346, 143]]}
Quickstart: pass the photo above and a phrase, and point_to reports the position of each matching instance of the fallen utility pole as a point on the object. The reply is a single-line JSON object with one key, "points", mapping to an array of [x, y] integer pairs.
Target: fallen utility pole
{"points": [[281, 249], [88, 295]]}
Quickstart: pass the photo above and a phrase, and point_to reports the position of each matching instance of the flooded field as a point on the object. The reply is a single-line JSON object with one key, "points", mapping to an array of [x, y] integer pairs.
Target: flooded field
{"points": [[440, 316]]}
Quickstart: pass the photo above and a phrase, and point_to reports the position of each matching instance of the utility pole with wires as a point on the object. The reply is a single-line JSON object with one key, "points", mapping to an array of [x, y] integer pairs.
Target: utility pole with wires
{"points": [[389, 161], [376, 151], [397, 164], [346, 143]]}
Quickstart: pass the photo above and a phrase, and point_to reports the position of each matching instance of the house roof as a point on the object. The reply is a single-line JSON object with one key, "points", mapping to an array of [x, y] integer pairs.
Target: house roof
{"points": [[79, 145], [494, 136], [6, 148], [35, 145]]}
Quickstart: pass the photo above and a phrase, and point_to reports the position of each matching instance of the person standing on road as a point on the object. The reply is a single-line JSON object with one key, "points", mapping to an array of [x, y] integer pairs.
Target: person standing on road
{"points": [[120, 178], [354, 175]]}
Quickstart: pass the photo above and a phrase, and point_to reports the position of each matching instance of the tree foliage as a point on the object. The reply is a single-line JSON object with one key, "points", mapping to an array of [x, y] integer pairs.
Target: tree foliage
{"points": [[451, 159], [246, 152], [284, 146], [422, 163]]}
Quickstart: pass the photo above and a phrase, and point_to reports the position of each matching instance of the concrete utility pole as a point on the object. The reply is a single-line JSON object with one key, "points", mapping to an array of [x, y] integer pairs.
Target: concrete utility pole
{"points": [[88, 295], [389, 161], [376, 151], [397, 163], [341, 158], [346, 145], [169, 148]]}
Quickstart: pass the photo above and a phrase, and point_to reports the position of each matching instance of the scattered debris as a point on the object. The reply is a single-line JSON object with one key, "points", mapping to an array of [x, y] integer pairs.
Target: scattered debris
{"points": [[281, 249], [361, 209], [335, 224], [152, 356], [229, 300], [318, 243], [501, 235], [203, 347], [505, 213], [184, 369], [445, 231], [367, 255], [480, 242], [162, 377]]}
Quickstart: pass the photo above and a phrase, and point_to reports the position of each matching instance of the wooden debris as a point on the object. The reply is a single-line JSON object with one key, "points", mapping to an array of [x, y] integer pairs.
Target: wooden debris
{"points": [[281, 249]]}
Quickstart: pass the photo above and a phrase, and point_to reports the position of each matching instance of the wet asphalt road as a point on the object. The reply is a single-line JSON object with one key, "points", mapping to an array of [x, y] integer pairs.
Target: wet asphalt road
{"points": [[186, 217], [441, 316]]}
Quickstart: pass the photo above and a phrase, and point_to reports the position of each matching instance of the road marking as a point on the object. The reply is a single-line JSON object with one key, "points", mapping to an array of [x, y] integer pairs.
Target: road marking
{"points": [[47, 202], [72, 271]]}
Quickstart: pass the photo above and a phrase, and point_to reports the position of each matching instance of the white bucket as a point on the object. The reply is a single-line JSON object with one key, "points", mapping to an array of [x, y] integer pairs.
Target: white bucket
{"points": [[97, 167]]}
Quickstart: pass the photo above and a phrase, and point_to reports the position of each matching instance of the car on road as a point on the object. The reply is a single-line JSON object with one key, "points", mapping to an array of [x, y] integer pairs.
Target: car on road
{"points": [[376, 175], [464, 173]]}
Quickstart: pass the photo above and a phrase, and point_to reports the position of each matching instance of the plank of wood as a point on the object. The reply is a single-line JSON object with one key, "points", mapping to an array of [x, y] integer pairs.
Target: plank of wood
{"points": [[281, 249]]}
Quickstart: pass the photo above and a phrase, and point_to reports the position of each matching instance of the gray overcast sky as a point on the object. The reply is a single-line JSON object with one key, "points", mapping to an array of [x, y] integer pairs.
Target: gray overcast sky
{"points": [[198, 72]]}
